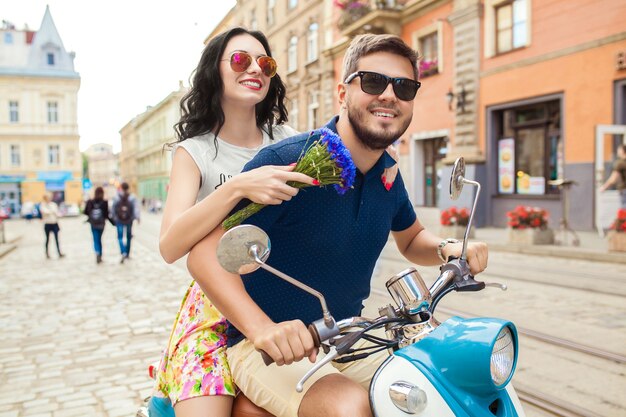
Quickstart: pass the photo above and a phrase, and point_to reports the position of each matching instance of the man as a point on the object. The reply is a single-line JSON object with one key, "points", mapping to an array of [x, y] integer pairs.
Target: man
{"points": [[125, 211], [618, 176], [329, 242]]}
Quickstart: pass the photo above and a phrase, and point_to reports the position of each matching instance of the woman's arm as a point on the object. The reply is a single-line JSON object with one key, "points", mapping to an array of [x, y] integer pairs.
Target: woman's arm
{"points": [[185, 223]]}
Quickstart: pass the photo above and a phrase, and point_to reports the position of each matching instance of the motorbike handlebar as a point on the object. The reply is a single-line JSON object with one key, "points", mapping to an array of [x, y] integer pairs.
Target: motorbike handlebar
{"points": [[267, 359]]}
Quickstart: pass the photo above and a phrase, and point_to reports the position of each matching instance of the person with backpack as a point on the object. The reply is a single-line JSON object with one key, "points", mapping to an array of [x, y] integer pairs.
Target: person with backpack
{"points": [[97, 212], [125, 211]]}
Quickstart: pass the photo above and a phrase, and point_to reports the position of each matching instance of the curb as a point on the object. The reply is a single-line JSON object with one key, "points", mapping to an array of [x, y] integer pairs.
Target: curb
{"points": [[9, 246], [561, 252], [6, 248]]}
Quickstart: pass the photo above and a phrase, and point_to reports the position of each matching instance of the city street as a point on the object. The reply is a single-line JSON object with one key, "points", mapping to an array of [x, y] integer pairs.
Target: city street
{"points": [[78, 337]]}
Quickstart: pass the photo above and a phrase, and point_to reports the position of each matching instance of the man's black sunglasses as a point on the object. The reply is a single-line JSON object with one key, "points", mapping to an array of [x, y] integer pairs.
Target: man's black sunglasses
{"points": [[375, 83]]}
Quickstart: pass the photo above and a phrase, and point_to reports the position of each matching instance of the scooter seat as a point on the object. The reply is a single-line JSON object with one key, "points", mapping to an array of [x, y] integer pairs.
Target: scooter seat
{"points": [[243, 407]]}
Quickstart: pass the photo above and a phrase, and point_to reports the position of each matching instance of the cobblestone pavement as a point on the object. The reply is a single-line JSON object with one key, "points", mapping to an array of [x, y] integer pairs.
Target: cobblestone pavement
{"points": [[77, 337]]}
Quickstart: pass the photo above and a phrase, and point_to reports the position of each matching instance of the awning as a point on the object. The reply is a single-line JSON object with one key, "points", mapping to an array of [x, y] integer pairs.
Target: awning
{"points": [[11, 178]]}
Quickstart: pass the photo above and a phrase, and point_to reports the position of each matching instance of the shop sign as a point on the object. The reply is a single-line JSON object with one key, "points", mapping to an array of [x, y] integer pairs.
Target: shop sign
{"points": [[530, 185], [506, 165]]}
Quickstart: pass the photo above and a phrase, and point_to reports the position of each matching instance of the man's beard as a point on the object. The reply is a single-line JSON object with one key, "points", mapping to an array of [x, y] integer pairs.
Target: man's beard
{"points": [[374, 140]]}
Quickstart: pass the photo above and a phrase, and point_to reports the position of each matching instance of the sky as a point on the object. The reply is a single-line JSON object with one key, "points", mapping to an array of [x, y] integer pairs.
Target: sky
{"points": [[130, 54]]}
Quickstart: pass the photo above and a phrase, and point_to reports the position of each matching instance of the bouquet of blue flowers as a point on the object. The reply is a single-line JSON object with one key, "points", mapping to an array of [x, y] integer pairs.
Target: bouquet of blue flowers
{"points": [[327, 160]]}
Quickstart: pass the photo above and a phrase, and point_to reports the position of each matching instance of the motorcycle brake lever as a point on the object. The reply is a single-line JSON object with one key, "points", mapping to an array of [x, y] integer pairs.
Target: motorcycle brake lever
{"points": [[469, 284], [327, 359]]}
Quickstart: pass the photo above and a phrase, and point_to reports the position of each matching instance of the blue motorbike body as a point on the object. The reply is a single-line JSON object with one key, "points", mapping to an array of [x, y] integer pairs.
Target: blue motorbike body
{"points": [[456, 360]]}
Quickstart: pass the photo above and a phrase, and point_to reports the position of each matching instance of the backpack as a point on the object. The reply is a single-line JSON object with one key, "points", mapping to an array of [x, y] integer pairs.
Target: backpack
{"points": [[96, 215], [124, 210]]}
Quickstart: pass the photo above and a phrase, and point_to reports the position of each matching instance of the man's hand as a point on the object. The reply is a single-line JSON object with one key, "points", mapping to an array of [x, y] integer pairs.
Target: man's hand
{"points": [[285, 342], [477, 255]]}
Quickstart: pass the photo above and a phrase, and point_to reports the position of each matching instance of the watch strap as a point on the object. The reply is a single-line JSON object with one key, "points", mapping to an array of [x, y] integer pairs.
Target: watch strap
{"points": [[441, 246]]}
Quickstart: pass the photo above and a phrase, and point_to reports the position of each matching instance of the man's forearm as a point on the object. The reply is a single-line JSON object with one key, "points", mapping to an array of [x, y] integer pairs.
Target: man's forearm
{"points": [[225, 290]]}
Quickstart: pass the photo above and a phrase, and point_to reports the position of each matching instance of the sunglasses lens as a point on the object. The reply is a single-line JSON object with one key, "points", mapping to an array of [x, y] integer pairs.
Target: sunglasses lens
{"points": [[373, 83], [405, 89], [267, 65], [240, 61]]}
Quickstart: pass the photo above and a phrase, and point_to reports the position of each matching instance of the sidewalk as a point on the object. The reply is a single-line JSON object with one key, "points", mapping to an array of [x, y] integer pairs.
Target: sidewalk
{"points": [[592, 246]]}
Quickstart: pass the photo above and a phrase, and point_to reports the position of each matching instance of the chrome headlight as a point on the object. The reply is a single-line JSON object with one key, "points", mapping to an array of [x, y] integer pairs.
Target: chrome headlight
{"points": [[408, 397], [502, 357]]}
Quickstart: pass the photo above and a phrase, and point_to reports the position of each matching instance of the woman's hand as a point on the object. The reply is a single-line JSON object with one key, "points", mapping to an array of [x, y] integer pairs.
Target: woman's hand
{"points": [[268, 184]]}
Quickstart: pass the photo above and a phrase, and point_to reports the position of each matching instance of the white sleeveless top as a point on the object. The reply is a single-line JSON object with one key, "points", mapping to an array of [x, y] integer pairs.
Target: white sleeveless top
{"points": [[230, 159]]}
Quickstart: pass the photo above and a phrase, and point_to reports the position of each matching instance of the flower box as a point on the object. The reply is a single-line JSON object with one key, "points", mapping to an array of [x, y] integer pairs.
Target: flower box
{"points": [[531, 236], [455, 232], [617, 241]]}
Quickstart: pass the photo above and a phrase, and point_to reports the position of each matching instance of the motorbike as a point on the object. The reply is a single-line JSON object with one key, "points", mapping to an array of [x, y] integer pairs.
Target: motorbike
{"points": [[459, 367]]}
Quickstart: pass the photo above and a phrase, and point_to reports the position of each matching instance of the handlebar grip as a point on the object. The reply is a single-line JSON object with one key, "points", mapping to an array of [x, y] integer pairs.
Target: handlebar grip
{"points": [[267, 359]]}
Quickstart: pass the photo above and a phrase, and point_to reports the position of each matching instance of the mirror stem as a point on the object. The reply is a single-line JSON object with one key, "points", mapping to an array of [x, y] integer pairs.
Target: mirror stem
{"points": [[328, 319], [471, 219]]}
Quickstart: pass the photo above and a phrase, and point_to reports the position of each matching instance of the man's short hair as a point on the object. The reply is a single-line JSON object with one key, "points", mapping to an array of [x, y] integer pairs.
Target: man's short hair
{"points": [[363, 45], [125, 186]]}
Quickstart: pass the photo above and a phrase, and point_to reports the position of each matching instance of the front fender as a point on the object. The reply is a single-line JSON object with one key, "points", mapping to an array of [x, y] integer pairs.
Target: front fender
{"points": [[455, 359]]}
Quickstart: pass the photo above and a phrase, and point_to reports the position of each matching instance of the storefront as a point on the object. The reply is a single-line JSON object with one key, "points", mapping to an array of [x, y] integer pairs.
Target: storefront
{"points": [[10, 193], [525, 143]]}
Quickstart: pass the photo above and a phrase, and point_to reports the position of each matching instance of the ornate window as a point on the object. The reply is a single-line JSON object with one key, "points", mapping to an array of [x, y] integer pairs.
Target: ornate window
{"points": [[53, 112], [292, 54], [312, 42], [14, 112]]}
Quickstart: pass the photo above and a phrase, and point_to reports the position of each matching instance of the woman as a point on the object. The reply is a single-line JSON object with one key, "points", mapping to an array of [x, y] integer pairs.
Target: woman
{"points": [[50, 217], [97, 212], [234, 107]]}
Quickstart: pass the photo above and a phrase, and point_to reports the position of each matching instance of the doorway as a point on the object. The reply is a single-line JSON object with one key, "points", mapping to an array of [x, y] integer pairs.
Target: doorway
{"points": [[435, 151]]}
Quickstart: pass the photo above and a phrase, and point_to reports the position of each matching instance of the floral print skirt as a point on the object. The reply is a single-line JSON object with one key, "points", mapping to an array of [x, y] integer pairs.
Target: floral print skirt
{"points": [[194, 363]]}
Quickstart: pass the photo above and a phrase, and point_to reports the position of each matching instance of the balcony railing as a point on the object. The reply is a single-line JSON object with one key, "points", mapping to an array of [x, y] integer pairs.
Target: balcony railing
{"points": [[373, 16]]}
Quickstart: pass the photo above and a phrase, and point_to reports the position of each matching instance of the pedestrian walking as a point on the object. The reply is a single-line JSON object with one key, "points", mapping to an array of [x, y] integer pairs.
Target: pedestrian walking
{"points": [[97, 212], [125, 211], [618, 176], [50, 217]]}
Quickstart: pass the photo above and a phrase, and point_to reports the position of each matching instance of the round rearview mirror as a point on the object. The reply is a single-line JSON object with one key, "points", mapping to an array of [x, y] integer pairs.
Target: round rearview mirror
{"points": [[243, 249], [457, 177]]}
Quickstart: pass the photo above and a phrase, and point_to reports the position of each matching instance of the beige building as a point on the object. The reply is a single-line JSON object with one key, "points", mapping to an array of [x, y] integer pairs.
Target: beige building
{"points": [[38, 118], [103, 168], [128, 155], [145, 160]]}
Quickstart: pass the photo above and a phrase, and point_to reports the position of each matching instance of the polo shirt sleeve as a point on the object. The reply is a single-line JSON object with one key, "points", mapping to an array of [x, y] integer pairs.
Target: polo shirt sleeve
{"points": [[270, 213], [405, 214]]}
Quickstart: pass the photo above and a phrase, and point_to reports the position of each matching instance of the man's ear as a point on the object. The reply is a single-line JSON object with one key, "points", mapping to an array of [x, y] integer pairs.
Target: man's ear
{"points": [[341, 94]]}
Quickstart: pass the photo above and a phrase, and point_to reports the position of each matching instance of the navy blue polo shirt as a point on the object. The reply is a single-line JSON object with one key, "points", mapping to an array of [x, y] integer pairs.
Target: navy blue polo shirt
{"points": [[328, 241]]}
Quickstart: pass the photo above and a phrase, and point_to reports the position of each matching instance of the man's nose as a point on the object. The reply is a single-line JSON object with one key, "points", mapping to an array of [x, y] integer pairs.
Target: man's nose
{"points": [[388, 94]]}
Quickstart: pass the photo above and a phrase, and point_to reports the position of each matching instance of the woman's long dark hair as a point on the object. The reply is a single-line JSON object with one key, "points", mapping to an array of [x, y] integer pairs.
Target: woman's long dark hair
{"points": [[201, 110]]}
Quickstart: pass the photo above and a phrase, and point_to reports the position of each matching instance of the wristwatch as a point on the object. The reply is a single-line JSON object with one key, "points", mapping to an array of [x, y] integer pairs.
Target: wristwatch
{"points": [[442, 244]]}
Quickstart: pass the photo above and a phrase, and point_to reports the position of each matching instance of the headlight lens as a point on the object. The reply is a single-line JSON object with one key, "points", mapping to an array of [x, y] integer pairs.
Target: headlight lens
{"points": [[502, 357]]}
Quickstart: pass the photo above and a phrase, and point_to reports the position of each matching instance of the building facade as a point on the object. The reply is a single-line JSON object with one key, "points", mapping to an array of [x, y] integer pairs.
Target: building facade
{"points": [[38, 117], [145, 161], [103, 168], [298, 31], [529, 92]]}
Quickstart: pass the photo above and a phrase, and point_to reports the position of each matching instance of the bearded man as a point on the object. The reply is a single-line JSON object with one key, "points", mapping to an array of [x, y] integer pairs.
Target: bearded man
{"points": [[328, 241]]}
